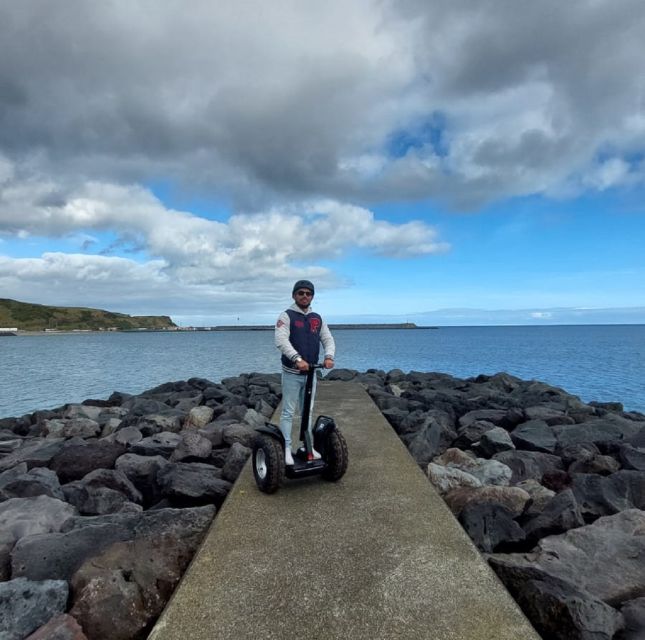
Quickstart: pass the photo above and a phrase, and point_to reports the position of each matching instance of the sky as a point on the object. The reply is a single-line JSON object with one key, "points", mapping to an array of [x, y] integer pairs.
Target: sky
{"points": [[443, 162]]}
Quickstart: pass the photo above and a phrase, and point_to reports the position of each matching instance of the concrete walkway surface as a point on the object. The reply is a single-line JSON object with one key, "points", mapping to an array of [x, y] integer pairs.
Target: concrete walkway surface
{"points": [[376, 555]]}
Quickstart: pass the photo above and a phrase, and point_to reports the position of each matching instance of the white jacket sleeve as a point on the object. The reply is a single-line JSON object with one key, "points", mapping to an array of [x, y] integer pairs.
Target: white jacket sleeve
{"points": [[329, 346], [282, 333]]}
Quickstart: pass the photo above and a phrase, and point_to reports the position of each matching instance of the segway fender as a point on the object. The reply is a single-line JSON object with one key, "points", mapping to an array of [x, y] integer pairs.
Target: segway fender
{"points": [[273, 431], [323, 427]]}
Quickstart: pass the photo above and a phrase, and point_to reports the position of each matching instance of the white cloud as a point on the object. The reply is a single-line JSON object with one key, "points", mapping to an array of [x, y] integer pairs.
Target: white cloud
{"points": [[302, 99]]}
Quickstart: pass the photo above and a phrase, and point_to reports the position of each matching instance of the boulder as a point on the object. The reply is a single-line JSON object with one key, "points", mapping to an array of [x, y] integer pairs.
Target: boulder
{"points": [[160, 444], [61, 627], [488, 472], [512, 498], [559, 515], [499, 417], [494, 441], [534, 435], [192, 446], [632, 458], [599, 464], [606, 495], [154, 423], [198, 417], [128, 436], [540, 496], [608, 428], [556, 607], [238, 432], [21, 517], [528, 464], [142, 472], [27, 605], [192, 483], [604, 559], [120, 592], [38, 481], [472, 433], [433, 436], [445, 478], [547, 414], [235, 461], [76, 461], [491, 527], [34, 453], [634, 615], [74, 427], [59, 555]]}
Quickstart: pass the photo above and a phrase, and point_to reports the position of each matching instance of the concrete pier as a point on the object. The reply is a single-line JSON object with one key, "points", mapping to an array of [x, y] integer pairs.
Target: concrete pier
{"points": [[376, 555]]}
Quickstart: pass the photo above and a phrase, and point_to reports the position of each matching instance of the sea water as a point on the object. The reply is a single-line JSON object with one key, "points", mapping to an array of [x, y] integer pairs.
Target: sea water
{"points": [[599, 362]]}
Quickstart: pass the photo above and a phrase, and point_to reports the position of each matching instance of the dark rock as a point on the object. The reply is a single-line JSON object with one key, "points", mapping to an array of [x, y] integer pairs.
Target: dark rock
{"points": [[637, 440], [512, 498], [237, 432], [471, 434], [499, 417], [235, 461], [119, 593], [488, 472], [433, 437], [61, 627], [631, 457], [634, 615], [26, 605], [56, 556], [59, 555], [608, 428], [76, 461], [36, 453], [528, 464], [535, 435], [548, 415], [38, 481], [155, 423], [490, 526], [192, 447], [601, 496], [142, 472], [602, 465], [559, 515], [192, 483], [161, 444], [556, 480], [344, 375], [573, 452], [604, 559], [495, 441], [556, 608]]}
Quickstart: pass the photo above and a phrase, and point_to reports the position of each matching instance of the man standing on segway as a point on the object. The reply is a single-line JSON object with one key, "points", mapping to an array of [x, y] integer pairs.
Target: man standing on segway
{"points": [[298, 334]]}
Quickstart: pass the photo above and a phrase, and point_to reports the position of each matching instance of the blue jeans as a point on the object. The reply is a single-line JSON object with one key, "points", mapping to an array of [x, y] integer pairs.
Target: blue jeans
{"points": [[293, 394]]}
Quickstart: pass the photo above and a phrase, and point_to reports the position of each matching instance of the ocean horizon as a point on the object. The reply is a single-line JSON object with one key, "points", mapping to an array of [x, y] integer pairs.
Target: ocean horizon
{"points": [[595, 362]]}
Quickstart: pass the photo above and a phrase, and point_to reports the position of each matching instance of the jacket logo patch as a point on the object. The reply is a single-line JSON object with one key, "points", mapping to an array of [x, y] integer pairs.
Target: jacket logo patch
{"points": [[299, 323], [314, 325]]}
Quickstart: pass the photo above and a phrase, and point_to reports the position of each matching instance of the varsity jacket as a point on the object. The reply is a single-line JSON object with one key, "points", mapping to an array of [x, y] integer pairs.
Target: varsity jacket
{"points": [[286, 335]]}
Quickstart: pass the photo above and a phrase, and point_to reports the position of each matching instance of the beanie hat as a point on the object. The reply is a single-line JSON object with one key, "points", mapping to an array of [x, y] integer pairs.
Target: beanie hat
{"points": [[303, 284]]}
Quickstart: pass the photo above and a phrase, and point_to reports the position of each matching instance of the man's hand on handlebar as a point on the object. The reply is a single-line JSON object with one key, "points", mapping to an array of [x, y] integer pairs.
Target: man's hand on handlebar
{"points": [[328, 363], [302, 365]]}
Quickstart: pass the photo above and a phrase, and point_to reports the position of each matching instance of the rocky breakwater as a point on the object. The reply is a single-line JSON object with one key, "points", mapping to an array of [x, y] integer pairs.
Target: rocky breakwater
{"points": [[104, 503], [549, 488]]}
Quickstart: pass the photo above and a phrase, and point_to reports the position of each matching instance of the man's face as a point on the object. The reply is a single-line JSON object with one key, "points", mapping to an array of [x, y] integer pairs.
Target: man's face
{"points": [[303, 297]]}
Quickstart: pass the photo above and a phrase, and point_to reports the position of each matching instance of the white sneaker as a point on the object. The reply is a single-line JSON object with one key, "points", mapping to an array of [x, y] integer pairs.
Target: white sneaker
{"points": [[316, 455], [288, 458]]}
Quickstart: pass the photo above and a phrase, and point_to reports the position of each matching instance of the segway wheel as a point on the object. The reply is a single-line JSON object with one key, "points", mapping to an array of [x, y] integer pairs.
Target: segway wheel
{"points": [[268, 464], [336, 456]]}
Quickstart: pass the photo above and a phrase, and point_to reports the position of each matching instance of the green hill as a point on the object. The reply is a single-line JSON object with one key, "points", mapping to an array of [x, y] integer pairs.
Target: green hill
{"points": [[38, 317]]}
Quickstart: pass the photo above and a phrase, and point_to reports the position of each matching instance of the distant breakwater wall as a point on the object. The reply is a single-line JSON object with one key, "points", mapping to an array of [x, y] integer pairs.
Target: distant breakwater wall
{"points": [[103, 503]]}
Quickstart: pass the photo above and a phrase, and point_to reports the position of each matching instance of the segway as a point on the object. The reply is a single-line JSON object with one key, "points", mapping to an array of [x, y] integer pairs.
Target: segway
{"points": [[268, 449]]}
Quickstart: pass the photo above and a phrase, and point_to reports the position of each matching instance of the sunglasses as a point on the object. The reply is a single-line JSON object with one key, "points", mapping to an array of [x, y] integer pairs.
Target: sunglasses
{"points": [[304, 293]]}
